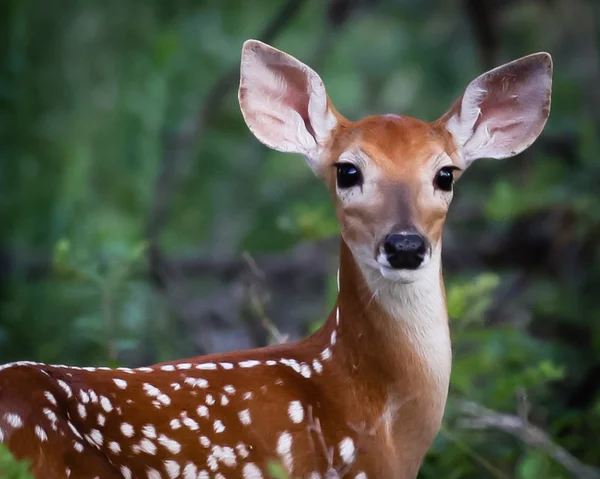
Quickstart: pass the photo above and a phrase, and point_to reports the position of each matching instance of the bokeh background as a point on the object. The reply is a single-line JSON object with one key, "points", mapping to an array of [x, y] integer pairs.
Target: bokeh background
{"points": [[141, 221]]}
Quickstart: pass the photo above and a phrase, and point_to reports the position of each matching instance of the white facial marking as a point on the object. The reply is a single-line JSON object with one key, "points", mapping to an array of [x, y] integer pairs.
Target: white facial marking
{"points": [[114, 447], [66, 388], [50, 397], [173, 469], [127, 429], [250, 471], [170, 444], [218, 426], [245, 417], [347, 450], [284, 449], [40, 433], [14, 420], [249, 364], [296, 412], [120, 383]]}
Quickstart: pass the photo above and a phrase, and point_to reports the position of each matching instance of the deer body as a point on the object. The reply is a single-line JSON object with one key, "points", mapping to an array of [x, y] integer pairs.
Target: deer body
{"points": [[361, 398]]}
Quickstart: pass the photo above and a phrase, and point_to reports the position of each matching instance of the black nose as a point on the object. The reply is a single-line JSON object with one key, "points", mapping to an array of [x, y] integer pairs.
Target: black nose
{"points": [[405, 250]]}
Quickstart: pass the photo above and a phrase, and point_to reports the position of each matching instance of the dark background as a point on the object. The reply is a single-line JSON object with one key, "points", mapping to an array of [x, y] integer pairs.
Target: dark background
{"points": [[141, 221]]}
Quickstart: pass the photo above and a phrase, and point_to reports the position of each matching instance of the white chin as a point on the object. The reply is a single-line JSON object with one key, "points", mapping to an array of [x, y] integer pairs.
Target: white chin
{"points": [[399, 275]]}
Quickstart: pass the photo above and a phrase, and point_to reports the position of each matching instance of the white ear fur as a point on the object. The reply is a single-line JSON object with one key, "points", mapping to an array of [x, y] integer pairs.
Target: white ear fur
{"points": [[284, 102], [503, 111]]}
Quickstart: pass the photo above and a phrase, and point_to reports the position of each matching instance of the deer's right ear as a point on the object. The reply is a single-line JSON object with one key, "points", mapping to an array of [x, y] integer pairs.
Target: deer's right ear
{"points": [[284, 102]]}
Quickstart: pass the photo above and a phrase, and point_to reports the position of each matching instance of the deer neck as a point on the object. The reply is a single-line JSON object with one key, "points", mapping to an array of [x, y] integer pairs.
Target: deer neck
{"points": [[393, 339]]}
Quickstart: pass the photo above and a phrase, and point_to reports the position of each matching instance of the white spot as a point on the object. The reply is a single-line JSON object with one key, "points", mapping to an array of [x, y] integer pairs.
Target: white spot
{"points": [[284, 449], [93, 396], [190, 471], [73, 430], [126, 370], [203, 475], [242, 450], [326, 354], [314, 475], [126, 472], [85, 398], [305, 370], [296, 412], [114, 447], [204, 441], [347, 450], [167, 367], [218, 426], [68, 472], [50, 415], [151, 390], [191, 424], [170, 444], [206, 366], [121, 384], [317, 366], [270, 362], [50, 397], [106, 404], [249, 364], [245, 417], [164, 399], [211, 462], [101, 419], [248, 395], [65, 387], [292, 363], [229, 389], [337, 316], [14, 420], [97, 437], [147, 446], [196, 382], [210, 400], [173, 469], [224, 400], [78, 446], [153, 474], [333, 337], [175, 424], [184, 366], [360, 475], [40, 433], [226, 365], [202, 411], [176, 386], [127, 429], [149, 431], [81, 410], [251, 471]]}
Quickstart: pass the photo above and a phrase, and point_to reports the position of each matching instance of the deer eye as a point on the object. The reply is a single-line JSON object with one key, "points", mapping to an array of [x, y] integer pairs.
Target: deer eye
{"points": [[348, 175], [445, 178]]}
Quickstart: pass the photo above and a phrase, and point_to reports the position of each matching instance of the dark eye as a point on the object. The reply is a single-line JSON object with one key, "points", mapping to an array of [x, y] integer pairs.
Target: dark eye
{"points": [[348, 175], [445, 178]]}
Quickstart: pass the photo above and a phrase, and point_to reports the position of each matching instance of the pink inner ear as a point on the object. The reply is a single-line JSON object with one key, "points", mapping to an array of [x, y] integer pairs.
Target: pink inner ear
{"points": [[296, 92]]}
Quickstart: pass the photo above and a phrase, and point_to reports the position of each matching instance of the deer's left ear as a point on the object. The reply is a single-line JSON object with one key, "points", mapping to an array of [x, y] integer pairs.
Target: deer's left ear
{"points": [[503, 111]]}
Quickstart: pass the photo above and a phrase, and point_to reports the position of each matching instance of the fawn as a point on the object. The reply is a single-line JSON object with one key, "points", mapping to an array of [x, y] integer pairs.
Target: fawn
{"points": [[361, 398]]}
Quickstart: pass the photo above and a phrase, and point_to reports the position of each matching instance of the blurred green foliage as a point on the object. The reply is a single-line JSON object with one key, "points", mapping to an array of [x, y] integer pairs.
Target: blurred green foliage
{"points": [[92, 94], [11, 468]]}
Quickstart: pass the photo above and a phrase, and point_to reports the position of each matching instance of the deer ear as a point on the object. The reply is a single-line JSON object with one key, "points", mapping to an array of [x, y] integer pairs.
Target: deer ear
{"points": [[284, 102], [503, 111]]}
